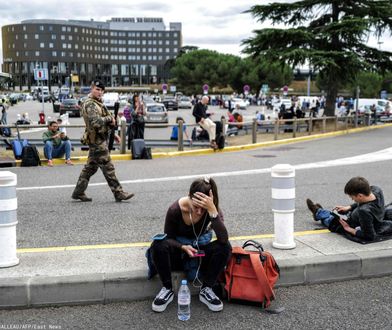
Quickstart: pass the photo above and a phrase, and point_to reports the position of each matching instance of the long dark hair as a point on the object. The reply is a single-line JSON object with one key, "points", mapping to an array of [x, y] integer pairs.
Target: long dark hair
{"points": [[204, 185]]}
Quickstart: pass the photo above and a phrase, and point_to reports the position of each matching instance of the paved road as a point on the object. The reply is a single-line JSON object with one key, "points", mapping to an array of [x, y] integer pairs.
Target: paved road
{"points": [[357, 304], [48, 217]]}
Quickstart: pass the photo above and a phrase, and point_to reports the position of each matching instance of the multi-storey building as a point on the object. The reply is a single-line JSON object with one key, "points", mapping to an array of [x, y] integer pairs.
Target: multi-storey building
{"points": [[120, 51]]}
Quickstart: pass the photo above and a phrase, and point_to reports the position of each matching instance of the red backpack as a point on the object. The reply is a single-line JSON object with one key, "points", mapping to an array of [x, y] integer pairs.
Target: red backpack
{"points": [[251, 275]]}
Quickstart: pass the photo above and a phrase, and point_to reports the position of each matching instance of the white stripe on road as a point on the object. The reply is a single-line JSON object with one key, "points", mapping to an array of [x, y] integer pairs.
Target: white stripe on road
{"points": [[378, 156]]}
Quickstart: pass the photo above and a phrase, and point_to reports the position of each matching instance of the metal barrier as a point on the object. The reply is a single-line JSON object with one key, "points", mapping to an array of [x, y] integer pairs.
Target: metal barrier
{"points": [[252, 127]]}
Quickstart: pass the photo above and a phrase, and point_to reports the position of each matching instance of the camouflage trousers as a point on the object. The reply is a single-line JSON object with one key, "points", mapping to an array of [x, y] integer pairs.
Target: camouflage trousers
{"points": [[98, 157]]}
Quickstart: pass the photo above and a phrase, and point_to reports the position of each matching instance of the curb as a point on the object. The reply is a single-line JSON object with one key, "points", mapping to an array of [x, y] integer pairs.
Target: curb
{"points": [[38, 291]]}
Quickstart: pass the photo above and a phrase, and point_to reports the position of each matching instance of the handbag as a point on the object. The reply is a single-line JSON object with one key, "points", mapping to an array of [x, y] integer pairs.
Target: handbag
{"points": [[251, 275]]}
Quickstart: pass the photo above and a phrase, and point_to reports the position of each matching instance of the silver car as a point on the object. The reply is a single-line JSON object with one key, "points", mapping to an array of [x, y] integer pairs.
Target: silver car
{"points": [[184, 102], [156, 113]]}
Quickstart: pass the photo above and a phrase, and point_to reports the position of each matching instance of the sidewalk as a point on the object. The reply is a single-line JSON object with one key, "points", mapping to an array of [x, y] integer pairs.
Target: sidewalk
{"points": [[104, 274]]}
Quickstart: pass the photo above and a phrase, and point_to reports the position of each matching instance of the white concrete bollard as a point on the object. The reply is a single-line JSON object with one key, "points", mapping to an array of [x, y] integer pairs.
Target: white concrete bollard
{"points": [[283, 205], [8, 219]]}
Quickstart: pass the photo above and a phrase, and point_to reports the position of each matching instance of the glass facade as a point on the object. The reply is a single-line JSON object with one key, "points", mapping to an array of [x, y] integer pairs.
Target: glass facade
{"points": [[90, 49]]}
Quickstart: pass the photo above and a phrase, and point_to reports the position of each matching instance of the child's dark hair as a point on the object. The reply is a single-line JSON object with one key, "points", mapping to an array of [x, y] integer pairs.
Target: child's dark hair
{"points": [[204, 185], [357, 185]]}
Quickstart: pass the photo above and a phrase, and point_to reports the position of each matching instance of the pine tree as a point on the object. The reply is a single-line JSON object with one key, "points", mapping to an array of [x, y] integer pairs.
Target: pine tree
{"points": [[330, 36]]}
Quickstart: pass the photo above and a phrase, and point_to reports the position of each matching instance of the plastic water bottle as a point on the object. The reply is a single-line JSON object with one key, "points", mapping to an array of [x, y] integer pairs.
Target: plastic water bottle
{"points": [[184, 302]]}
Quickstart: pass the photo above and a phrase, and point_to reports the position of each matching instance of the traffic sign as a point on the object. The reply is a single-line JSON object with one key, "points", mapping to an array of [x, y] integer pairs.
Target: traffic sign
{"points": [[265, 88], [205, 88], [246, 89], [164, 88], [41, 74]]}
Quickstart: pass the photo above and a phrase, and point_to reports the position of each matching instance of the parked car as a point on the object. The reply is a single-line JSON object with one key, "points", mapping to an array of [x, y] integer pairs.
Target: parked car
{"points": [[70, 106], [287, 103], [109, 99], [185, 102], [156, 113], [170, 103], [234, 101]]}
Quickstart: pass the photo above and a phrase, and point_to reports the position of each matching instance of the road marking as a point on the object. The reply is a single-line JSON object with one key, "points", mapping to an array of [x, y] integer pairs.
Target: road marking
{"points": [[378, 156], [147, 244]]}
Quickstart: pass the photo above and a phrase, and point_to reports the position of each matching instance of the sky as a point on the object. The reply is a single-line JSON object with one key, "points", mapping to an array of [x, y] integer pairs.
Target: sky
{"points": [[218, 25]]}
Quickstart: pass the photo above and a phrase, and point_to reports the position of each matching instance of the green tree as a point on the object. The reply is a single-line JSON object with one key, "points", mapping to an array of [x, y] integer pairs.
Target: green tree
{"points": [[329, 35], [370, 84]]}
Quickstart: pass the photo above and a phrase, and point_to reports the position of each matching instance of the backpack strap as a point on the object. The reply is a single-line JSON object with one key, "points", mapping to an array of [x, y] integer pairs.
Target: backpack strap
{"points": [[262, 278]]}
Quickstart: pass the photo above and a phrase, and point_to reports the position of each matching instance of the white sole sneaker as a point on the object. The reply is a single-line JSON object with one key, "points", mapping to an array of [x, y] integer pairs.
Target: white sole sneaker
{"points": [[214, 308], [161, 308]]}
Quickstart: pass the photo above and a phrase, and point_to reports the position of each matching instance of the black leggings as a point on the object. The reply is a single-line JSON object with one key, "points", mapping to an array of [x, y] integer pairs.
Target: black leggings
{"points": [[167, 258]]}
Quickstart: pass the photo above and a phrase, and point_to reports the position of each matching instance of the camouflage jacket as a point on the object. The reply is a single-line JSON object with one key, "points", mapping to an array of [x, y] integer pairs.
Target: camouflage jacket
{"points": [[97, 119]]}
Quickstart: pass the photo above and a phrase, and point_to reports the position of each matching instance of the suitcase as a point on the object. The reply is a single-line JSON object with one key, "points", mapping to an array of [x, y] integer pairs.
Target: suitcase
{"points": [[137, 148]]}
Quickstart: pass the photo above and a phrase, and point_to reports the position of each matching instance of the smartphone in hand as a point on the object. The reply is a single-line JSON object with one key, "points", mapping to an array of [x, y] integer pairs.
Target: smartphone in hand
{"points": [[341, 216], [199, 253]]}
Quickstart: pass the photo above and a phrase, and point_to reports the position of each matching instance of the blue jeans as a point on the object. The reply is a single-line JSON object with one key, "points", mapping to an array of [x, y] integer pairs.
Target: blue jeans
{"points": [[51, 151], [324, 216]]}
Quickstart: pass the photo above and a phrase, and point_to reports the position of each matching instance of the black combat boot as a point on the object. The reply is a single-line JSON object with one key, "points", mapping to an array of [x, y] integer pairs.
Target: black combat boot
{"points": [[82, 197], [123, 196]]}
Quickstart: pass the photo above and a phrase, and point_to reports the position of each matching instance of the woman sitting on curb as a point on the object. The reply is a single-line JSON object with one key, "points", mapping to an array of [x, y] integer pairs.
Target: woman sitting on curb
{"points": [[187, 228]]}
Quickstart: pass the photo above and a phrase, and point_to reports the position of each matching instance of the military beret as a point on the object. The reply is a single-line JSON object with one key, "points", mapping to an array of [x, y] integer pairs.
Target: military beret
{"points": [[98, 83]]}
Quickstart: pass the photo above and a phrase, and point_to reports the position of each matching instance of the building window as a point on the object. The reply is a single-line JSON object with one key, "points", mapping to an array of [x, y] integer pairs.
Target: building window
{"points": [[76, 46], [68, 29], [24, 27], [175, 50], [62, 37], [25, 45], [37, 53], [54, 37], [69, 46], [50, 28], [26, 53], [167, 42], [26, 36], [63, 28], [17, 54], [54, 53], [175, 42], [42, 45], [16, 37], [69, 37], [167, 50], [76, 30], [41, 28], [50, 44], [64, 45], [63, 54], [36, 36]]}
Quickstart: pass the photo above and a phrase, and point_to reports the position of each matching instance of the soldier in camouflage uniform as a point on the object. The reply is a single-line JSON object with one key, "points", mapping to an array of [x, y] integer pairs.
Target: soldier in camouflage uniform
{"points": [[98, 123]]}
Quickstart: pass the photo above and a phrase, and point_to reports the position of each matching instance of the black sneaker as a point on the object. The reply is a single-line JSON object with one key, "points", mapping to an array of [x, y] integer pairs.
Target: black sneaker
{"points": [[208, 297], [162, 299]]}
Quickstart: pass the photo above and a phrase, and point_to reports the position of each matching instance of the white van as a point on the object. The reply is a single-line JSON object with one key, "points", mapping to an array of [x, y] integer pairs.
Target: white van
{"points": [[365, 104], [109, 99]]}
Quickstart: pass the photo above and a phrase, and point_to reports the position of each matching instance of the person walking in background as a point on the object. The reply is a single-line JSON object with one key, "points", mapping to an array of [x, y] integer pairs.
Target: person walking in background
{"points": [[98, 122], [56, 144], [200, 114]]}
